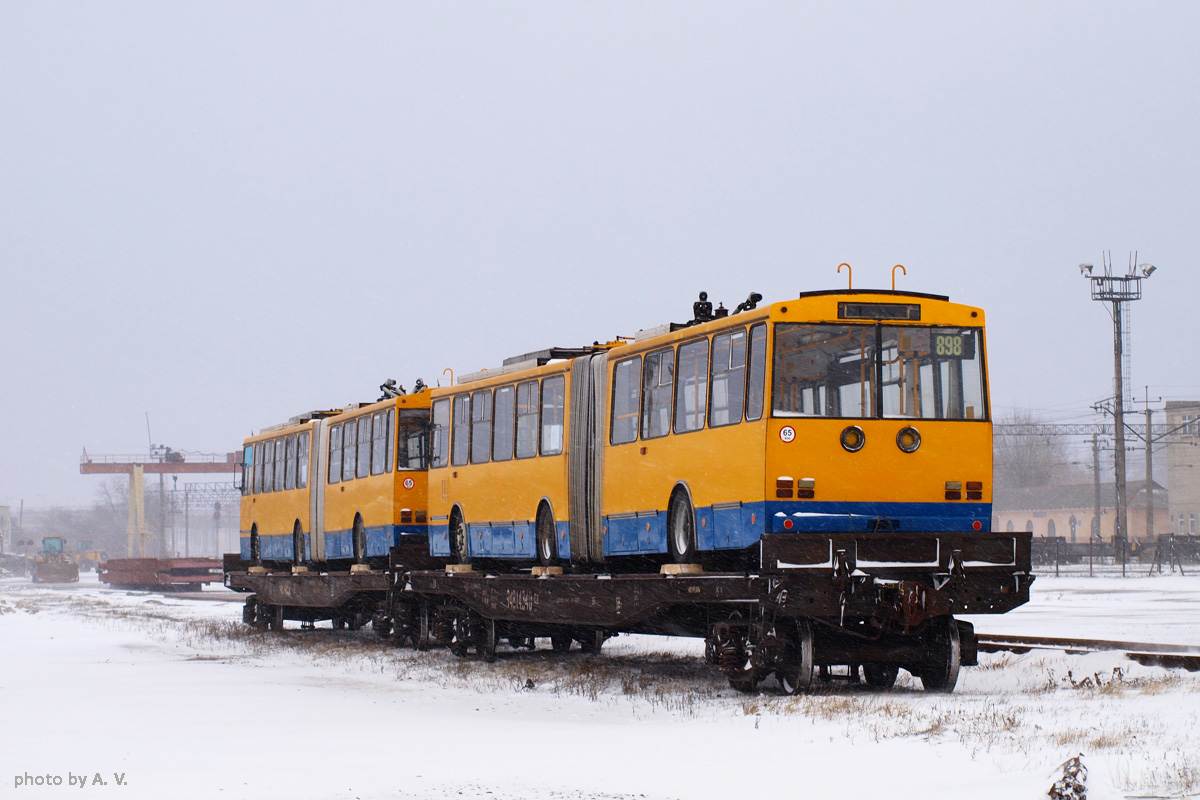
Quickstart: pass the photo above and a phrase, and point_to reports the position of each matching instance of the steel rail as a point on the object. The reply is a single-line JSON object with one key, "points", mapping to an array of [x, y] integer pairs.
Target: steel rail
{"points": [[1146, 653]]}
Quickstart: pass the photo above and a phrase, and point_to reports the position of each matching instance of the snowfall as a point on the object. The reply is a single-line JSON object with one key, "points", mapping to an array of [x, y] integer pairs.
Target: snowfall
{"points": [[116, 694]]}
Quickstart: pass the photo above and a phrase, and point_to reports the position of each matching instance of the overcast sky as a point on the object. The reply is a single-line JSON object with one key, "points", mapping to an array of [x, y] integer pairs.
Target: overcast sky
{"points": [[224, 214]]}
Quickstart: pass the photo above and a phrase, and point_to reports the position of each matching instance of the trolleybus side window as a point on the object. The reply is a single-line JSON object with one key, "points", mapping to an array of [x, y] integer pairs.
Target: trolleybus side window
{"points": [[349, 449], [247, 469], [258, 467], [413, 430], [658, 376], [461, 441], [388, 438], [504, 430], [302, 461], [280, 464], [364, 447], [527, 419], [728, 378], [824, 371], [627, 384], [440, 446], [553, 414], [758, 372], [481, 427], [289, 476], [691, 391], [335, 453], [268, 465], [379, 443]]}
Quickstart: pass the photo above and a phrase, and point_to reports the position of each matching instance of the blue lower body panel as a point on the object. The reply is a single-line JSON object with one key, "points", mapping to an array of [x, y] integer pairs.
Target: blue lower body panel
{"points": [[725, 526], [839, 517], [380, 539], [516, 540]]}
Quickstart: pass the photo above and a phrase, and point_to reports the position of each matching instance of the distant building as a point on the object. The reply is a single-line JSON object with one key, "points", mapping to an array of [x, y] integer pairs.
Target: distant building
{"points": [[1070, 511], [1183, 465]]}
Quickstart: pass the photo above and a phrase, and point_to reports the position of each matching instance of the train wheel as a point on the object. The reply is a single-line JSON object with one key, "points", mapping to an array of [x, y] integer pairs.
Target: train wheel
{"points": [[744, 682], [486, 644], [458, 538], [424, 639], [881, 676], [795, 674], [274, 617], [382, 626], [560, 643], [591, 641], [547, 540], [681, 529], [250, 610], [939, 670], [460, 639]]}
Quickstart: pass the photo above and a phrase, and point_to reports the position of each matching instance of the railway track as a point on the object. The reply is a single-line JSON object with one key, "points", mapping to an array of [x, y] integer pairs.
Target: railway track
{"points": [[1163, 655]]}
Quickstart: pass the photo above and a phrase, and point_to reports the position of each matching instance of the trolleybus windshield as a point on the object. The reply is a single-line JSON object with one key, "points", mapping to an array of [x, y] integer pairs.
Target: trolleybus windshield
{"points": [[872, 371]]}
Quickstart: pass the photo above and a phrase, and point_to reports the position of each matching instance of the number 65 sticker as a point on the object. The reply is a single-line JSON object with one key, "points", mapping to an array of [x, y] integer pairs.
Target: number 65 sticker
{"points": [[787, 433], [409, 483]]}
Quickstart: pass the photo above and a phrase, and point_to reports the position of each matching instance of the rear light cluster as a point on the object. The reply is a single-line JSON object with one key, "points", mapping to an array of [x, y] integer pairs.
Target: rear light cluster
{"points": [[805, 488], [954, 490], [407, 516]]}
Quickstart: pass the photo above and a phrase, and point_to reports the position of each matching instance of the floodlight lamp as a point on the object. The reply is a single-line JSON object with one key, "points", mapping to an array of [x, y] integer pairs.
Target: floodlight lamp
{"points": [[1147, 269], [1085, 270]]}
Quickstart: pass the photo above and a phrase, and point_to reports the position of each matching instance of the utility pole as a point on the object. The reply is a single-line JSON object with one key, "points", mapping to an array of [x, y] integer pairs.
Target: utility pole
{"points": [[1149, 474], [1095, 533], [1118, 290]]}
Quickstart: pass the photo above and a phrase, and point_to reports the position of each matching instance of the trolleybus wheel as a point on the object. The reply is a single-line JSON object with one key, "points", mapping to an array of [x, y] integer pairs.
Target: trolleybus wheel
{"points": [[298, 554], [681, 529], [458, 538], [486, 644], [560, 643], [360, 539], [943, 656], [881, 676], [547, 541], [795, 673]]}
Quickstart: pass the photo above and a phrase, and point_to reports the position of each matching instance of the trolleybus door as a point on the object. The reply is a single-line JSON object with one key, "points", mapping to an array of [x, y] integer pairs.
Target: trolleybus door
{"points": [[316, 481], [585, 456]]}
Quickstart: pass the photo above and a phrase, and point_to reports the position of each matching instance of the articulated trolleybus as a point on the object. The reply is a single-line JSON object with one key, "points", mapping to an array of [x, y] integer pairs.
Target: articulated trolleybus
{"points": [[806, 485]]}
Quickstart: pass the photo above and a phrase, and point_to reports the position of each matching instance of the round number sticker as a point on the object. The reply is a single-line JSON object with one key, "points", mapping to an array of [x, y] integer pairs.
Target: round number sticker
{"points": [[787, 433], [408, 483]]}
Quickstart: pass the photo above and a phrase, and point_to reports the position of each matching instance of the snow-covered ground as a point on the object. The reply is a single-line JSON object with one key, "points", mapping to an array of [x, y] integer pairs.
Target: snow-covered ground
{"points": [[177, 697]]}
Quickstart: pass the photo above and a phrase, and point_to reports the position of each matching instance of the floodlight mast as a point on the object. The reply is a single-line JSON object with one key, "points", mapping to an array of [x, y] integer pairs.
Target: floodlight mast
{"points": [[1118, 290]]}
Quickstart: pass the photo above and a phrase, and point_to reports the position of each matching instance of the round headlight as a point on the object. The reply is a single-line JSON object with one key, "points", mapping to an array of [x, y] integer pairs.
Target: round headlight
{"points": [[908, 439], [853, 438]]}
